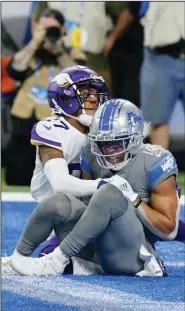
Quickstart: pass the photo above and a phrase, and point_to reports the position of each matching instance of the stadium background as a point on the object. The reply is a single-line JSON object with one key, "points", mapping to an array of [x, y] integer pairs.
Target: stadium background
{"points": [[16, 19], [97, 293]]}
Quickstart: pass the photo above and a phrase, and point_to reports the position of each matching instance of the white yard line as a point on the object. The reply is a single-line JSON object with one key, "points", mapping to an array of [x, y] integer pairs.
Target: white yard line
{"points": [[16, 197], [86, 296]]}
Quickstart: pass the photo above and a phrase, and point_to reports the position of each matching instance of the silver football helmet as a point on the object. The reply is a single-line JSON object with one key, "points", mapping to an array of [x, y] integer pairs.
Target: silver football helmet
{"points": [[116, 133]]}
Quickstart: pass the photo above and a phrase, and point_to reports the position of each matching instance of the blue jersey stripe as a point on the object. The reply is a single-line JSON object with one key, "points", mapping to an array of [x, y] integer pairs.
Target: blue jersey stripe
{"points": [[159, 159]]}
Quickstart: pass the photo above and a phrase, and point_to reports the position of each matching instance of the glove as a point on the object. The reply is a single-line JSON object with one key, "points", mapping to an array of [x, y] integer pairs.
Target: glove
{"points": [[123, 185]]}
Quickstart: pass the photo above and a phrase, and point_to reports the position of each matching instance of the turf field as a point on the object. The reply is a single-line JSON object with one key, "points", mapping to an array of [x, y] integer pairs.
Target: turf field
{"points": [[89, 293]]}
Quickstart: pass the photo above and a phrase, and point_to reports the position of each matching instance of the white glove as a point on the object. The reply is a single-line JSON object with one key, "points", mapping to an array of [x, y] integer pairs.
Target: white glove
{"points": [[123, 185]]}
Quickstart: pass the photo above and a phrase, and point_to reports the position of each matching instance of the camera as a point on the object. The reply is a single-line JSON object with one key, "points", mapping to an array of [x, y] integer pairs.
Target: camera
{"points": [[53, 34]]}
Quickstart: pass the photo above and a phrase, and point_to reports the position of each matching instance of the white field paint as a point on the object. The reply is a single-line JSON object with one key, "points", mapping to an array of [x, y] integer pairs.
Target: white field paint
{"points": [[86, 296]]}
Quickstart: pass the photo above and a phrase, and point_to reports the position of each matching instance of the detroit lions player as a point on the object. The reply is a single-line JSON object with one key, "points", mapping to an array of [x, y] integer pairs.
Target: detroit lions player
{"points": [[138, 206]]}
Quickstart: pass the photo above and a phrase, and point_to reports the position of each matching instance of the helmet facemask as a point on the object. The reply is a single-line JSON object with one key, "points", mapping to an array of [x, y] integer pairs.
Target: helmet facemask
{"points": [[64, 92], [72, 94], [116, 153], [92, 88]]}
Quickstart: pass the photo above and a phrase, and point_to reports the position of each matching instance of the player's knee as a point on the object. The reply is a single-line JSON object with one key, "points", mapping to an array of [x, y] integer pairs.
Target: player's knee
{"points": [[110, 197], [56, 205]]}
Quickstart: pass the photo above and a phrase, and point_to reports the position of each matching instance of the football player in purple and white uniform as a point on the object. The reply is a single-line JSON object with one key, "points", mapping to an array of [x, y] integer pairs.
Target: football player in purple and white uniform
{"points": [[74, 94]]}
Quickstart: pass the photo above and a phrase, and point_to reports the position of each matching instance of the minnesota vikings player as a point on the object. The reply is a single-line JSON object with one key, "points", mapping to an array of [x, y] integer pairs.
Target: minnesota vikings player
{"points": [[137, 206], [74, 94]]}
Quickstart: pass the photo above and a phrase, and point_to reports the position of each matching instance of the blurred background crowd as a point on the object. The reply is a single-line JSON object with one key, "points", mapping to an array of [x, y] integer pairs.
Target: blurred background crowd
{"points": [[138, 47]]}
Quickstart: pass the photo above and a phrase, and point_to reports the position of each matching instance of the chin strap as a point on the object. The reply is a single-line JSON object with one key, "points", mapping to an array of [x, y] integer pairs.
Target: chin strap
{"points": [[84, 118]]}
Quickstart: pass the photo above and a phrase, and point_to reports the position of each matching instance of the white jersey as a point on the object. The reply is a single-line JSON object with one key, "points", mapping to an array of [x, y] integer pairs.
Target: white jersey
{"points": [[57, 133]]}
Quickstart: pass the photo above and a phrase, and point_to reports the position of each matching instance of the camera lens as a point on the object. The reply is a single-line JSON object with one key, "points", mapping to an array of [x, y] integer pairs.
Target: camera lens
{"points": [[53, 34]]}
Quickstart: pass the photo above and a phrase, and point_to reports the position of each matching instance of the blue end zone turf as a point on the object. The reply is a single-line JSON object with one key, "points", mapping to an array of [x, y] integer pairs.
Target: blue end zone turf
{"points": [[89, 293]]}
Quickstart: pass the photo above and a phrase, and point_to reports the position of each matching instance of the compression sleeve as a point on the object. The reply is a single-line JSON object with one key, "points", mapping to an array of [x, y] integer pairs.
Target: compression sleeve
{"points": [[56, 170]]}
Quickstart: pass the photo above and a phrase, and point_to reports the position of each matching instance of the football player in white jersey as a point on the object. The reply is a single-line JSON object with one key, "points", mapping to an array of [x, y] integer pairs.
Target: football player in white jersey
{"points": [[74, 95]]}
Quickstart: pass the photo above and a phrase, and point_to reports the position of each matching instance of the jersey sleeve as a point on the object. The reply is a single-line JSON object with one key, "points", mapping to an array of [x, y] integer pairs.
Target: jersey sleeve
{"points": [[159, 168], [85, 163], [44, 133]]}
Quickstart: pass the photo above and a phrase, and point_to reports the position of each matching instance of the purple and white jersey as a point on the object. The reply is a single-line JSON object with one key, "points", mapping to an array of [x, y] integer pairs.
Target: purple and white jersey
{"points": [[57, 133]]}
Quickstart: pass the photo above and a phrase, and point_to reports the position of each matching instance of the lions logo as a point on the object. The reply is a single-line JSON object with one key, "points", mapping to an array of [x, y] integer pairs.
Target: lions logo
{"points": [[134, 120]]}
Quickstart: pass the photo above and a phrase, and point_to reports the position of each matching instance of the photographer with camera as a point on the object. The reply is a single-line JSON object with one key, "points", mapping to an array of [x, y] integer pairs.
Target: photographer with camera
{"points": [[33, 67]]}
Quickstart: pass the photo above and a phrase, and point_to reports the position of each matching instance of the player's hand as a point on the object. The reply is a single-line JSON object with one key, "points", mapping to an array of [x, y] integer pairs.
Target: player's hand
{"points": [[123, 185], [38, 35]]}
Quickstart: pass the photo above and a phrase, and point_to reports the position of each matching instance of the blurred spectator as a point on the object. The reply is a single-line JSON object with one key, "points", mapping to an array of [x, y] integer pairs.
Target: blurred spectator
{"points": [[9, 47], [124, 49], [40, 6], [34, 66], [8, 90], [87, 25], [163, 69]]}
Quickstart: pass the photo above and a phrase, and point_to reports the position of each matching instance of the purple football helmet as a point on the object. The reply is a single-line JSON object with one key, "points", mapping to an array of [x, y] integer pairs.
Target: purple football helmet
{"points": [[63, 90]]}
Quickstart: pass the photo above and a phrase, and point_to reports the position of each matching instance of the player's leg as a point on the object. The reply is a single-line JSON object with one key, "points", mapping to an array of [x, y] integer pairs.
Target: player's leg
{"points": [[59, 212], [120, 240], [112, 222]]}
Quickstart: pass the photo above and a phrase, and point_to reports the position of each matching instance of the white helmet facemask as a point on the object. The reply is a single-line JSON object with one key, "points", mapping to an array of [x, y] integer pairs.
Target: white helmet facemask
{"points": [[117, 153]]}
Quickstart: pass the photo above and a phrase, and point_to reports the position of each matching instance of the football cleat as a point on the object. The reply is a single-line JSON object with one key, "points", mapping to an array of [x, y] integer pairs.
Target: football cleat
{"points": [[151, 264], [51, 264], [6, 266]]}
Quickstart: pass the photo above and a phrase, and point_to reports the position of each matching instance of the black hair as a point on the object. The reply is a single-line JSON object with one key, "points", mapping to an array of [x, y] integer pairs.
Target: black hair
{"points": [[55, 14]]}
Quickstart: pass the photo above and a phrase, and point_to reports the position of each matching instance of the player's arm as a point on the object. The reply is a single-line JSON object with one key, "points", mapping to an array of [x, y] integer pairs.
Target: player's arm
{"points": [[160, 217], [57, 172], [55, 166], [20, 67]]}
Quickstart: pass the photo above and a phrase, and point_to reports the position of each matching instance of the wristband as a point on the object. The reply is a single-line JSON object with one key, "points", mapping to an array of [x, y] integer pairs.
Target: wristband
{"points": [[137, 201]]}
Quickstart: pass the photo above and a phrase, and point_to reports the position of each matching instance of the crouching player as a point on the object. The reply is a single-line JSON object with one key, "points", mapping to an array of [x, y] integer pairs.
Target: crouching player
{"points": [[136, 207]]}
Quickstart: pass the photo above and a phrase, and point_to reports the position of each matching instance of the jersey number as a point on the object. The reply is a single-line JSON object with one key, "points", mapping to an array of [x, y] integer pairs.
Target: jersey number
{"points": [[153, 151], [62, 125]]}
